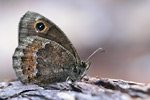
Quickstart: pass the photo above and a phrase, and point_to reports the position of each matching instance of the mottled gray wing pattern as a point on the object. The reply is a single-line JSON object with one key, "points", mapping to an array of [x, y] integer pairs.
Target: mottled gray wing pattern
{"points": [[42, 62], [44, 54]]}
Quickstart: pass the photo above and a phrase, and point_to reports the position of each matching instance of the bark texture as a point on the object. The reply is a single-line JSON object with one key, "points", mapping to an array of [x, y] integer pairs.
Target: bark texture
{"points": [[89, 88]]}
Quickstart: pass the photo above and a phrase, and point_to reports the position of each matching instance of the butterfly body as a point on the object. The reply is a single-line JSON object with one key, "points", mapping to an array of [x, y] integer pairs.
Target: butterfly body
{"points": [[44, 54]]}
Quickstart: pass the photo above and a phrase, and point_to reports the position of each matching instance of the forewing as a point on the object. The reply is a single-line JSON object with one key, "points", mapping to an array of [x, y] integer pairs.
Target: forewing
{"points": [[27, 27]]}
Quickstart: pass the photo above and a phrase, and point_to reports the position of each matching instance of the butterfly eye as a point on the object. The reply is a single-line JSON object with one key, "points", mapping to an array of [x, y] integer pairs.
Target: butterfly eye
{"points": [[40, 26]]}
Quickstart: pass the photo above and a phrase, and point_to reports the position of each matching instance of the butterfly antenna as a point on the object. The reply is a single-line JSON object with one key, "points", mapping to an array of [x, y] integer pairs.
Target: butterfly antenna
{"points": [[99, 49]]}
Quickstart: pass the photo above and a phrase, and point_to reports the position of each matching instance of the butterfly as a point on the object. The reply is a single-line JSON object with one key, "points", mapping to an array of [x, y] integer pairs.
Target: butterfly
{"points": [[44, 54]]}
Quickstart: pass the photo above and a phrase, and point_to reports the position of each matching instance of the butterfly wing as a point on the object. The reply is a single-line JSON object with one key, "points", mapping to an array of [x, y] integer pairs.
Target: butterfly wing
{"points": [[27, 27], [44, 54], [42, 61]]}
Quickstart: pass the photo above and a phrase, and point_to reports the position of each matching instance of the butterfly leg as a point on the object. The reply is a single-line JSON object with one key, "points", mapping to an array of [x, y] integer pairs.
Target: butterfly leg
{"points": [[85, 77], [69, 79]]}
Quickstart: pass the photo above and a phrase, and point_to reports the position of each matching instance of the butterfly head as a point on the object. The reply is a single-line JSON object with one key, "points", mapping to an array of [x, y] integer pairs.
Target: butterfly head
{"points": [[82, 69]]}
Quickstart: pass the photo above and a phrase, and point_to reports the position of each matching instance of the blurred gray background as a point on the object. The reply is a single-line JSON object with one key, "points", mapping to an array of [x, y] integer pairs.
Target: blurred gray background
{"points": [[121, 27]]}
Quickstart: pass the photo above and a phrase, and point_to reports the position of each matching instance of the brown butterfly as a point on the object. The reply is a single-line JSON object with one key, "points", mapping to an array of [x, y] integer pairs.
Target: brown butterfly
{"points": [[44, 54]]}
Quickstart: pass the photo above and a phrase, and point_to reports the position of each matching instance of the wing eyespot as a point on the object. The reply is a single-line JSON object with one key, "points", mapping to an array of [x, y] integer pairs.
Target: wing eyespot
{"points": [[41, 26]]}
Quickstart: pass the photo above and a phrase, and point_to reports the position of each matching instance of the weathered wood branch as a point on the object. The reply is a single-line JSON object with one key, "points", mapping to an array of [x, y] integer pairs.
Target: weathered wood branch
{"points": [[88, 89]]}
